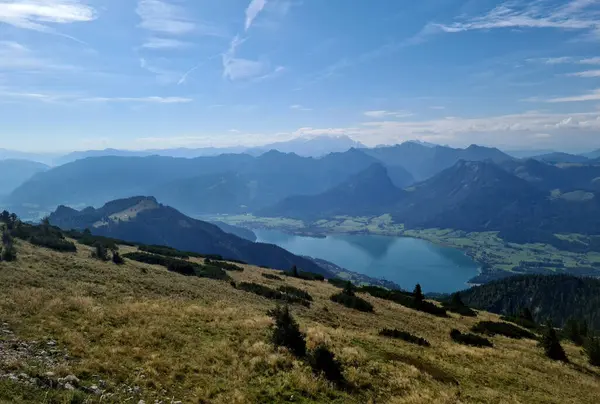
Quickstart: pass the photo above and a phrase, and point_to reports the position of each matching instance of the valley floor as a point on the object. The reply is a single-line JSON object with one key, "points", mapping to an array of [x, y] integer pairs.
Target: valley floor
{"points": [[135, 332], [496, 257]]}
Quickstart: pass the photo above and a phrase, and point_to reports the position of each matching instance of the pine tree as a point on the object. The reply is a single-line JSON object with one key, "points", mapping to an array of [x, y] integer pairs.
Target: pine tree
{"points": [[418, 293], [551, 344], [295, 273], [526, 315], [349, 289], [592, 350], [456, 300], [572, 331], [287, 331], [116, 258], [100, 252]]}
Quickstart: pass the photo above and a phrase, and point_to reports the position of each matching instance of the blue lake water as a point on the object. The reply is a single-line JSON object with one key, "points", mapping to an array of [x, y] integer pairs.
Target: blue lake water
{"points": [[405, 261]]}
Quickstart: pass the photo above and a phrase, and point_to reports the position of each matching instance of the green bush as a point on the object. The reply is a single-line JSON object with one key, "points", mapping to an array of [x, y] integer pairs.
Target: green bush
{"points": [[293, 291], [100, 252], [520, 321], [272, 277], [307, 276], [323, 361], [470, 339], [405, 299], [500, 328], [269, 293], [225, 265], [403, 335], [9, 253], [575, 331], [456, 305], [53, 243], [117, 259], [340, 283], [286, 332], [180, 266], [352, 302], [44, 235]]}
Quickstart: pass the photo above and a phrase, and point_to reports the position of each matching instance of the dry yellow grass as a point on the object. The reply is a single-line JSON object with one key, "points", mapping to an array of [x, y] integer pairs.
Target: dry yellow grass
{"points": [[151, 334]]}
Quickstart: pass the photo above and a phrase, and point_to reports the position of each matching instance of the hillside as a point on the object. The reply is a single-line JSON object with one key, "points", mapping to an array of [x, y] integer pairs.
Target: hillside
{"points": [[218, 184], [424, 162], [368, 192], [144, 220], [16, 172], [558, 158], [139, 332], [557, 297]]}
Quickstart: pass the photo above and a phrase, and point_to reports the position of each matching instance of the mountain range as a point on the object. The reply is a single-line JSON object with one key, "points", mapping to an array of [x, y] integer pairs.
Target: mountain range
{"points": [[15, 172], [228, 183]]}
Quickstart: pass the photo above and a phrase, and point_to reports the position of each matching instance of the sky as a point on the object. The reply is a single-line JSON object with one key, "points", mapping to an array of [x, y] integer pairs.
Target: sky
{"points": [[146, 74]]}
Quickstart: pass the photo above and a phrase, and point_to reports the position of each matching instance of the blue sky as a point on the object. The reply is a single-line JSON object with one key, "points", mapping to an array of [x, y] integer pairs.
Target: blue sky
{"points": [[89, 74]]}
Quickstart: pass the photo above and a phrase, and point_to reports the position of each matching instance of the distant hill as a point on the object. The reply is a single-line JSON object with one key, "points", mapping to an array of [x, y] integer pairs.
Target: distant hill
{"points": [[554, 297], [235, 230], [369, 192], [592, 155], [144, 220], [228, 183], [550, 177], [525, 154], [13, 173], [558, 158], [303, 146], [44, 158], [425, 161]]}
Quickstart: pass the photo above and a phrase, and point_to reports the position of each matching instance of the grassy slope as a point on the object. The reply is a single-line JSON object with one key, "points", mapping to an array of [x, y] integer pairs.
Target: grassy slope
{"points": [[199, 340]]}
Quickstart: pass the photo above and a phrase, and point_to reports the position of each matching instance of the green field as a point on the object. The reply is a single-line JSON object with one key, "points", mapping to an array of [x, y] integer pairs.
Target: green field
{"points": [[493, 253]]}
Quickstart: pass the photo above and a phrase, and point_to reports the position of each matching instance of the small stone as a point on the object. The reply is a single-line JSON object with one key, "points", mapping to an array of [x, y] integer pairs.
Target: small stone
{"points": [[49, 374], [69, 386], [71, 379], [51, 343], [23, 376], [141, 402]]}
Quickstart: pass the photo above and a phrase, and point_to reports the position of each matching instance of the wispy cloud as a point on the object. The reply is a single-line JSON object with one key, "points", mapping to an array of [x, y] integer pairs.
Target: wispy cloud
{"points": [[553, 61], [167, 18], [591, 61], [165, 43], [163, 76], [586, 74], [146, 100], [388, 114], [579, 15], [298, 107], [39, 14], [15, 56], [590, 96], [254, 9]]}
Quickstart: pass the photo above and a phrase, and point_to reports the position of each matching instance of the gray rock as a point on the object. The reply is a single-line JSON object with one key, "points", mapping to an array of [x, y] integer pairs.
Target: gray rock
{"points": [[71, 379], [69, 386]]}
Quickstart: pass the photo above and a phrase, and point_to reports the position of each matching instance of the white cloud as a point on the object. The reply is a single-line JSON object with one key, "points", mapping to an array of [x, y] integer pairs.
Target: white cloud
{"points": [[239, 69], [15, 56], [586, 74], [591, 96], [39, 14], [575, 15], [298, 107], [150, 100], [172, 19], [165, 43], [387, 114], [437, 107], [591, 61], [254, 9]]}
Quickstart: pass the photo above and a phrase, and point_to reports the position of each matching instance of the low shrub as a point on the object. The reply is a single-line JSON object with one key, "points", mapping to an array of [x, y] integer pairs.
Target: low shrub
{"points": [[470, 339], [340, 283], [293, 291], [269, 293], [307, 276], [117, 259], [456, 305], [9, 253], [272, 277], [224, 265], [405, 299], [180, 266], [352, 302], [53, 243], [520, 321], [403, 335], [500, 328], [100, 252], [286, 332], [323, 361], [164, 251]]}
